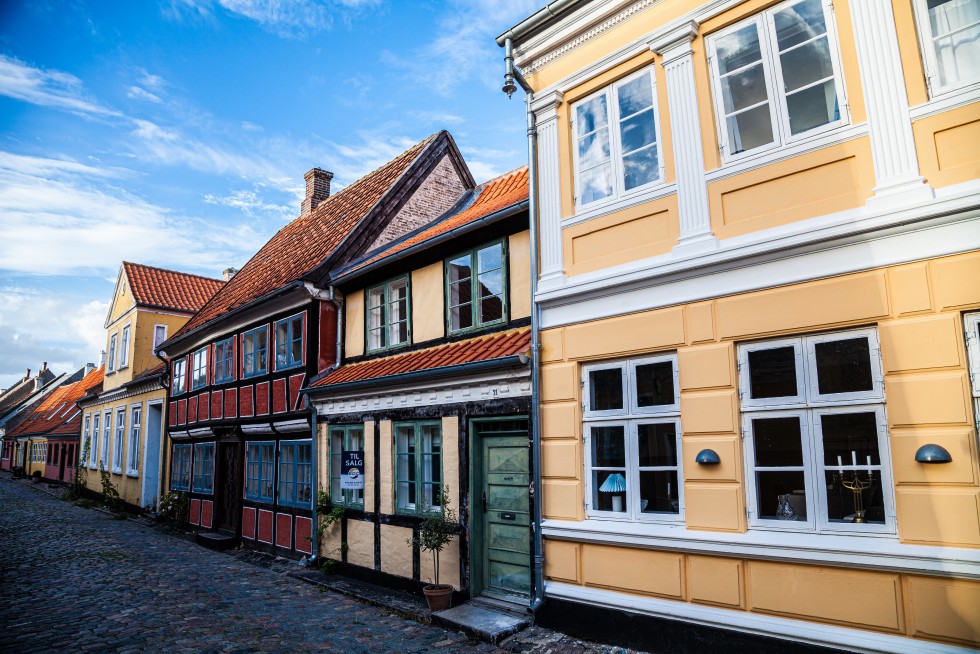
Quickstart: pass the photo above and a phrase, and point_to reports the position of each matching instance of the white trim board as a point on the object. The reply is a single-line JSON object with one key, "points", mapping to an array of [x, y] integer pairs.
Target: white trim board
{"points": [[864, 552], [798, 631]]}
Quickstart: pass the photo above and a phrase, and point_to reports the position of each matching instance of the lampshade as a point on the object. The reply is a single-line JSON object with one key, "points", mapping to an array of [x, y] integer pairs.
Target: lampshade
{"points": [[615, 483]]}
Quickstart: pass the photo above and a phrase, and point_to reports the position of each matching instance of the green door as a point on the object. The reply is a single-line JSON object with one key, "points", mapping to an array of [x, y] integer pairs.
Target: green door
{"points": [[502, 507]]}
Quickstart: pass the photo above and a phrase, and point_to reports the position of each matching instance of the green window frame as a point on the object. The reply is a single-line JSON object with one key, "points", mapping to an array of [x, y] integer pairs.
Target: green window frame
{"points": [[388, 315], [418, 467], [477, 300], [344, 437]]}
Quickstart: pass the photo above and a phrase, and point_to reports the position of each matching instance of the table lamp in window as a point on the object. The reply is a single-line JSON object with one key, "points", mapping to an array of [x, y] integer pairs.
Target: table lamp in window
{"points": [[615, 483]]}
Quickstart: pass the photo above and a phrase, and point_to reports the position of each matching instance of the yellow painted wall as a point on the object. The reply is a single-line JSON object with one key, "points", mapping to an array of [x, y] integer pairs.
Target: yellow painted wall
{"points": [[360, 543], [387, 462], [140, 357], [947, 146], [519, 249], [427, 303], [354, 324], [396, 551]]}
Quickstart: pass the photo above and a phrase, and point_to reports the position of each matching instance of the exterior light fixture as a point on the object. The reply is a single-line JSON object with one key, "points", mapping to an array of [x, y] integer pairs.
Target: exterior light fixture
{"points": [[932, 453], [707, 457]]}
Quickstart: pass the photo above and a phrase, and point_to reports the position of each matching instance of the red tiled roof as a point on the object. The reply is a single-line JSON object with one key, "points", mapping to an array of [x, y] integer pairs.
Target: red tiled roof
{"points": [[303, 244], [168, 288], [150, 372], [481, 348], [499, 193], [57, 414]]}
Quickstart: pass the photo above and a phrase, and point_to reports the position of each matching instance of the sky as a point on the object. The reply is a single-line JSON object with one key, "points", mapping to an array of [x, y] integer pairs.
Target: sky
{"points": [[175, 133]]}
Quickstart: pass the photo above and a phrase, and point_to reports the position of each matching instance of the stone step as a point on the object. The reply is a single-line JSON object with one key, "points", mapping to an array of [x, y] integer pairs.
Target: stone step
{"points": [[217, 540], [482, 620]]}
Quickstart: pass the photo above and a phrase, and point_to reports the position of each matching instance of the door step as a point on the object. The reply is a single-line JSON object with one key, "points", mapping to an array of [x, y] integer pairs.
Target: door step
{"points": [[483, 619], [217, 540]]}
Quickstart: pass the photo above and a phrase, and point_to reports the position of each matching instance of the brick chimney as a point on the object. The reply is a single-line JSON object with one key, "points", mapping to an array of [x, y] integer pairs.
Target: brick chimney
{"points": [[317, 189], [228, 273]]}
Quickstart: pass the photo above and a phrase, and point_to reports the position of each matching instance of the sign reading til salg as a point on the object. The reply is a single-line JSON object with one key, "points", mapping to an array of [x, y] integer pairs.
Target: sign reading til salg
{"points": [[352, 470]]}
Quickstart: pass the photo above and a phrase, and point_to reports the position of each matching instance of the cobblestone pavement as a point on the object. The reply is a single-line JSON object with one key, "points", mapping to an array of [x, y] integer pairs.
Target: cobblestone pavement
{"points": [[78, 580]]}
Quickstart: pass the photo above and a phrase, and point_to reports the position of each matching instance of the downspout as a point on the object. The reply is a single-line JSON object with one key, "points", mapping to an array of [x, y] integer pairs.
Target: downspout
{"points": [[511, 75]]}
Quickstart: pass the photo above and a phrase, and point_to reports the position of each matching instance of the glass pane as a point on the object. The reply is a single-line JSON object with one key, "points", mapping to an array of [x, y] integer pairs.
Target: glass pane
{"points": [[462, 316], [744, 89], [399, 333], [459, 269], [297, 348], [850, 439], [608, 446], [855, 495], [431, 469], [844, 366], [641, 167], [790, 487], [749, 129], [635, 95], [376, 297], [813, 107], [658, 491], [958, 55], [596, 184], [490, 258], [591, 115], [638, 131], [606, 389], [806, 64], [593, 149], [657, 445], [491, 308], [460, 292], [801, 22], [738, 49], [772, 372], [777, 442], [491, 283], [614, 497], [655, 384]]}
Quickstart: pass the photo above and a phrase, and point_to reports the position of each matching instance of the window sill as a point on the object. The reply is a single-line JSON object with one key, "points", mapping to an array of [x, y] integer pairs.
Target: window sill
{"points": [[116, 471], [258, 500], [872, 552], [133, 474], [946, 100], [612, 205], [289, 366]]}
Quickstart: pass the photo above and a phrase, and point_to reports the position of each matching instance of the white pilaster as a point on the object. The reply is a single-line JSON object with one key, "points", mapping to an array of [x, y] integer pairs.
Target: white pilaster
{"points": [[889, 124], [545, 109], [682, 103]]}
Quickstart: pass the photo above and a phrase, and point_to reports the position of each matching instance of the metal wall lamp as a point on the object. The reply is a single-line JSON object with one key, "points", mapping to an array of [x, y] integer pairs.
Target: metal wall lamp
{"points": [[932, 453], [710, 457]]}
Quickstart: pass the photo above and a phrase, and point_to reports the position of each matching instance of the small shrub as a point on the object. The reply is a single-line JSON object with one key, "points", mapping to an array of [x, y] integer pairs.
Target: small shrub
{"points": [[110, 496]]}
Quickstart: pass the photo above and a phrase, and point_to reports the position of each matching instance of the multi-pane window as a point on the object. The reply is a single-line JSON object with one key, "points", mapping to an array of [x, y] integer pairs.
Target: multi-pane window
{"points": [[387, 315], [112, 352], [204, 468], [224, 360], [344, 438], [124, 347], [418, 467], [633, 439], [260, 471], [476, 288], [133, 451], [106, 432], [93, 444], [616, 139], [178, 382], [295, 468], [973, 351], [776, 77], [86, 435], [289, 342], [117, 443], [950, 35], [159, 335], [199, 376], [816, 446], [180, 468], [254, 345]]}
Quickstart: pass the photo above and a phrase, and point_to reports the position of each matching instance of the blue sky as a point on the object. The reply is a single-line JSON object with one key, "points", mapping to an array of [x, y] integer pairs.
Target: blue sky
{"points": [[176, 134]]}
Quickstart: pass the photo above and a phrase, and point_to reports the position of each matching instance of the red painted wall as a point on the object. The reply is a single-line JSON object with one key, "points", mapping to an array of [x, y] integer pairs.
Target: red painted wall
{"points": [[327, 355]]}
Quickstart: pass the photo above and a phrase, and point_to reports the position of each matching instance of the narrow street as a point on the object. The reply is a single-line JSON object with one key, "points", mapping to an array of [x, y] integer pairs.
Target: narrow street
{"points": [[77, 580]]}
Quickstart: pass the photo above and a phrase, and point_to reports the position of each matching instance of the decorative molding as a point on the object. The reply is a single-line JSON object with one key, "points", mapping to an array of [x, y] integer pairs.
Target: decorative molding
{"points": [[200, 431], [260, 428], [675, 43], [545, 105], [549, 195], [301, 424], [788, 629], [177, 435]]}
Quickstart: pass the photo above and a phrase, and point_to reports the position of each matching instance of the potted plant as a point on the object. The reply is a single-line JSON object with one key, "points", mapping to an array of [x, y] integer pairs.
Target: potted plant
{"points": [[435, 532]]}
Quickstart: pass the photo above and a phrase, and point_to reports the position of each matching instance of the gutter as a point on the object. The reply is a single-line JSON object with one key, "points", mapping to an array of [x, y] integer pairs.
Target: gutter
{"points": [[510, 361], [490, 219], [535, 20]]}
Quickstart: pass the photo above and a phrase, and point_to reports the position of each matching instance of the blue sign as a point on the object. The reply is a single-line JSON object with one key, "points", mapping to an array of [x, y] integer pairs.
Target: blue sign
{"points": [[352, 470]]}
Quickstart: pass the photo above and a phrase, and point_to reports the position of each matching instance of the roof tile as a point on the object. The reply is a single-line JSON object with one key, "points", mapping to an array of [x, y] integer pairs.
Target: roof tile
{"points": [[169, 289], [57, 414]]}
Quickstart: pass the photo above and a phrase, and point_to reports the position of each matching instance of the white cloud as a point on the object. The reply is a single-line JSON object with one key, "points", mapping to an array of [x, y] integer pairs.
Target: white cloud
{"points": [[286, 18], [251, 203], [137, 93], [439, 119], [46, 88]]}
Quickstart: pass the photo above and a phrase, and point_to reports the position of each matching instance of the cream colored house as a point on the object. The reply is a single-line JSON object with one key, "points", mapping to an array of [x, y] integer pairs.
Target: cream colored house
{"points": [[759, 256]]}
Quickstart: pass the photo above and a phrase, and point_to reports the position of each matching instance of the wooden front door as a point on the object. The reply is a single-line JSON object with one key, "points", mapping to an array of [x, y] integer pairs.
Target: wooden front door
{"points": [[230, 487], [502, 512]]}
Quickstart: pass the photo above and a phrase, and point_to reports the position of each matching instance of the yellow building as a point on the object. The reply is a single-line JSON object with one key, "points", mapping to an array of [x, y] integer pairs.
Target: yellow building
{"points": [[759, 253], [122, 426]]}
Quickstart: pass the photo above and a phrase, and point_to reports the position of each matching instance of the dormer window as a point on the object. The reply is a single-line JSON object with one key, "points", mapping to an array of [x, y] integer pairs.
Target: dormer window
{"points": [[387, 315], [476, 288]]}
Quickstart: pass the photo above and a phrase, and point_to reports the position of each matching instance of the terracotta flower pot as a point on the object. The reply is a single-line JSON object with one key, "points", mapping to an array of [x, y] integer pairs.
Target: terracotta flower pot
{"points": [[438, 597]]}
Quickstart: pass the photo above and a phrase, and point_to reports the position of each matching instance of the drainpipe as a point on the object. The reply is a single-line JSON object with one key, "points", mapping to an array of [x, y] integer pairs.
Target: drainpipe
{"points": [[512, 75]]}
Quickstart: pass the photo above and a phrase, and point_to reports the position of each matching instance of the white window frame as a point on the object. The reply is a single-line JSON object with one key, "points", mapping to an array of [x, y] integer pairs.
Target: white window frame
{"points": [[972, 330], [135, 434], [930, 62], [112, 352], [630, 418], [810, 407], [117, 441], [773, 76], [93, 452], [157, 339], [619, 191], [124, 347], [106, 433], [86, 434]]}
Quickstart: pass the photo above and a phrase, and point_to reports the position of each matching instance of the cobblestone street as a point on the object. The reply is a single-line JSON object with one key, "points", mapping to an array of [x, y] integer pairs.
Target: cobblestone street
{"points": [[77, 580]]}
